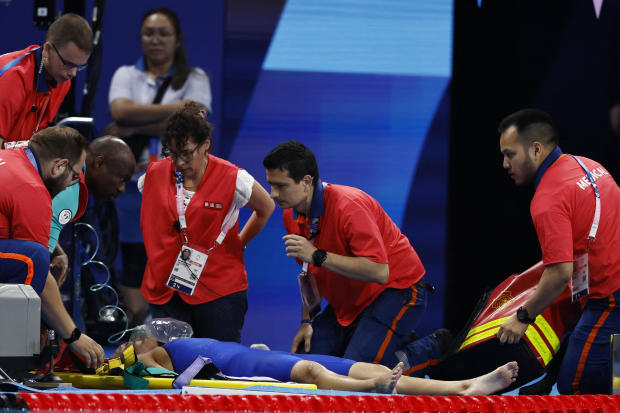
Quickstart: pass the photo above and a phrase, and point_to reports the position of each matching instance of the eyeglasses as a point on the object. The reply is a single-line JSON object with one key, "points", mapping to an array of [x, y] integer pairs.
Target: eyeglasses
{"points": [[68, 65], [75, 177], [185, 156]]}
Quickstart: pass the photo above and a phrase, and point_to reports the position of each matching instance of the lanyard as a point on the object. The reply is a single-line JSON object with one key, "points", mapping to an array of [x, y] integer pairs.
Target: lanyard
{"points": [[597, 210], [314, 231], [229, 220], [31, 158], [47, 100]]}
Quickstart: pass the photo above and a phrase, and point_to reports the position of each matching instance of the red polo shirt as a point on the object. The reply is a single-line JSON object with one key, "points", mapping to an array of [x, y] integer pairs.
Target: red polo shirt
{"points": [[354, 224], [562, 210], [18, 94]]}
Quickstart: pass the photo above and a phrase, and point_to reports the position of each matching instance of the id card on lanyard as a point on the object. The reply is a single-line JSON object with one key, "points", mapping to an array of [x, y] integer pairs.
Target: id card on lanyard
{"points": [[580, 284], [308, 289], [192, 259]]}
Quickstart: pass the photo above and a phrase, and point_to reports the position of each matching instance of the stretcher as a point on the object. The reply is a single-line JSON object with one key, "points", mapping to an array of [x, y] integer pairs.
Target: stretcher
{"points": [[477, 349], [93, 381]]}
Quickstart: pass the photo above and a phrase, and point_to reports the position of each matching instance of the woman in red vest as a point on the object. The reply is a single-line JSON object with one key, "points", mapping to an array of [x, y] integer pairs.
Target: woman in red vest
{"points": [[190, 204]]}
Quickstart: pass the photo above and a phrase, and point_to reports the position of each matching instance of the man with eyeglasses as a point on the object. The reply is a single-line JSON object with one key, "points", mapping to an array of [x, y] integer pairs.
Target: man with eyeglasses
{"points": [[35, 81], [30, 177], [33, 84]]}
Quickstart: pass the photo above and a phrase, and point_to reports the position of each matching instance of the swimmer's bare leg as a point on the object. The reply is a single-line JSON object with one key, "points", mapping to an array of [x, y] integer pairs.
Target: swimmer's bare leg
{"points": [[306, 371], [490, 383]]}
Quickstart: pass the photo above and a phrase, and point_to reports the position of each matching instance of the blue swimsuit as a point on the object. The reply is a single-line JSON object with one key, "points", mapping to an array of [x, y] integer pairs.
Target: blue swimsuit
{"points": [[234, 359]]}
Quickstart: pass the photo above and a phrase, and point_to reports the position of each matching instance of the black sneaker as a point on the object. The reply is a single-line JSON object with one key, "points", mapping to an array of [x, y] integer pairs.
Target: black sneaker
{"points": [[410, 338], [444, 339]]}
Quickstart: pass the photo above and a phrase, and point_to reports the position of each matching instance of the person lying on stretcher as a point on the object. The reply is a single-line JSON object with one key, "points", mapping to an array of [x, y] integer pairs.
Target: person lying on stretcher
{"points": [[326, 372]]}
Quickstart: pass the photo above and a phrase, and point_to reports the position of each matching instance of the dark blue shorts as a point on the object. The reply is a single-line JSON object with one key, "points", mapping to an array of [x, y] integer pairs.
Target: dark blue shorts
{"points": [[234, 359], [24, 262]]}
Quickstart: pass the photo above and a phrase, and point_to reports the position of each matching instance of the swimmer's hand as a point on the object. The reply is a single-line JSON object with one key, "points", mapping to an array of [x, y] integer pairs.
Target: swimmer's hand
{"points": [[304, 335], [91, 351]]}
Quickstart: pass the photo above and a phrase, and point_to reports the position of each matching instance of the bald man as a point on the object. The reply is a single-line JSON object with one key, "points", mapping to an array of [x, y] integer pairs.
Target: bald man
{"points": [[109, 164]]}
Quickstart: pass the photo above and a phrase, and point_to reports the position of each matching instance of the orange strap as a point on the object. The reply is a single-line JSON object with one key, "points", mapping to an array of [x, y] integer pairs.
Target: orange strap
{"points": [[586, 349], [23, 258], [390, 332]]}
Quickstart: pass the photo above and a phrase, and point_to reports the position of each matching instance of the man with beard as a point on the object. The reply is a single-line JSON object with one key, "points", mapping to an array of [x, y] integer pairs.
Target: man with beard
{"points": [[576, 215], [30, 177]]}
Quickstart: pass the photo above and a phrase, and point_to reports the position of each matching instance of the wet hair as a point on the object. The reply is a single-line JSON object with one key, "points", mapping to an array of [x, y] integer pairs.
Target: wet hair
{"points": [[188, 122], [59, 142], [181, 68], [532, 125], [294, 157], [71, 28]]}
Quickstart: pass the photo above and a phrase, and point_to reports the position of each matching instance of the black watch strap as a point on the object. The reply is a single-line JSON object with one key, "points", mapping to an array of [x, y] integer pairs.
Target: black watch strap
{"points": [[75, 334], [318, 257], [524, 317]]}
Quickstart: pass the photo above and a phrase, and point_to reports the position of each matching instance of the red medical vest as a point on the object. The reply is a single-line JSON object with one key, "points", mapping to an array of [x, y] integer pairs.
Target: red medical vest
{"points": [[18, 94], [225, 272]]}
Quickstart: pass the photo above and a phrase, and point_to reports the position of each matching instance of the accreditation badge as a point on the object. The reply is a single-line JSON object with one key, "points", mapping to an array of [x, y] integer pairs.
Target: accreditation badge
{"points": [[579, 283], [187, 269]]}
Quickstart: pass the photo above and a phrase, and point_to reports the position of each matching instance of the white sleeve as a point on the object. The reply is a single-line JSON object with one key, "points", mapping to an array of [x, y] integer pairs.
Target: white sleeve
{"points": [[120, 86], [141, 183], [198, 87], [243, 190]]}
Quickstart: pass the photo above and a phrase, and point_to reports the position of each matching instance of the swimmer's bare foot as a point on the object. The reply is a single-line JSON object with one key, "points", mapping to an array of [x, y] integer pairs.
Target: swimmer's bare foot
{"points": [[386, 383], [498, 379]]}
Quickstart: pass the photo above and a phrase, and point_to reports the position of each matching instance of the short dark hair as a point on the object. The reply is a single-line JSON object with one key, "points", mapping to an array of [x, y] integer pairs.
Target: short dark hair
{"points": [[59, 142], [532, 125], [68, 28], [181, 67], [294, 157], [189, 121]]}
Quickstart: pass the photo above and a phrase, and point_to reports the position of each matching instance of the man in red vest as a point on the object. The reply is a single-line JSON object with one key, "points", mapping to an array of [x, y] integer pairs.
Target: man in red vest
{"points": [[35, 81]]}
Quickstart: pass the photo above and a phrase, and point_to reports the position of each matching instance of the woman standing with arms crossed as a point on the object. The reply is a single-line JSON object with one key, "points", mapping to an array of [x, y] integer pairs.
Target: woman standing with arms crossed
{"points": [[191, 199], [142, 98]]}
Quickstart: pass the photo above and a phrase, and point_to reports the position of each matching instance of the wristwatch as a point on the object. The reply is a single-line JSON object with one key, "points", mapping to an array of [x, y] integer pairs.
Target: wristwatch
{"points": [[75, 334], [319, 257], [524, 317]]}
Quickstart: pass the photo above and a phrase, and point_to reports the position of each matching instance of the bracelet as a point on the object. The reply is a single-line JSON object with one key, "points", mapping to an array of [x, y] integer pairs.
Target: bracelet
{"points": [[75, 334], [306, 320]]}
